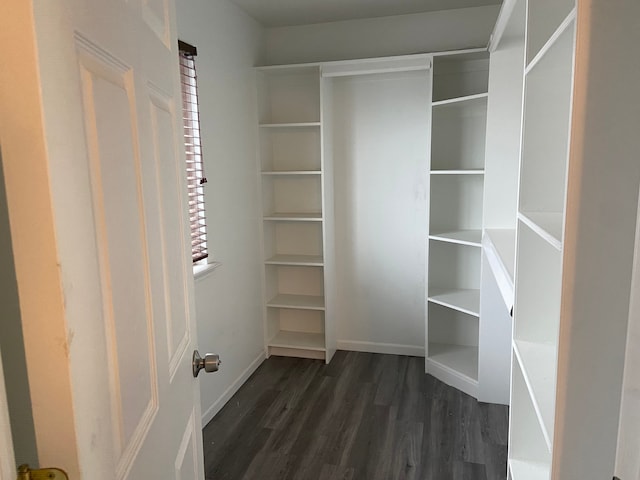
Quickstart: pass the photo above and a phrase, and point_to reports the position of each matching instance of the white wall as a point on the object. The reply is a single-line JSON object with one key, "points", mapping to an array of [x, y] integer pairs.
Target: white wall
{"points": [[380, 140], [376, 37], [229, 300]]}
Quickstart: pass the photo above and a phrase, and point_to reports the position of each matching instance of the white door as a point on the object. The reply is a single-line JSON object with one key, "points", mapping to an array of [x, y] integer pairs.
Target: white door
{"points": [[108, 320], [628, 450]]}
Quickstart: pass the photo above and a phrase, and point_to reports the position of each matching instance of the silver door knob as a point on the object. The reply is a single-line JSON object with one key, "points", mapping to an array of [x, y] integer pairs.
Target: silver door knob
{"points": [[210, 363]]}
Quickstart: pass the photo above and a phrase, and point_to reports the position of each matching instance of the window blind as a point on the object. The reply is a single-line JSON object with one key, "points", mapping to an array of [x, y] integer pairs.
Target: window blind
{"points": [[193, 149]]}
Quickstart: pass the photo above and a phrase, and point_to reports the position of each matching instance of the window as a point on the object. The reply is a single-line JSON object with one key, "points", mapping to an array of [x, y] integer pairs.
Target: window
{"points": [[193, 149]]}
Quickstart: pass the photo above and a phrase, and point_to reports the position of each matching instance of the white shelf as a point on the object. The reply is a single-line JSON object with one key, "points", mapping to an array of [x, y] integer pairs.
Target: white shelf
{"points": [[461, 237], [458, 100], [503, 242], [547, 225], [298, 260], [458, 75], [566, 23], [294, 217], [292, 172], [290, 125], [298, 340], [461, 360], [538, 365], [500, 249], [474, 171], [463, 300], [299, 302], [523, 470]]}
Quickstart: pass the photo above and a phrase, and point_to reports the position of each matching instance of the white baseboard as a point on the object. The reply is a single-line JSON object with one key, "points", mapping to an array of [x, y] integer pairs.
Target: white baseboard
{"points": [[453, 378], [231, 390], [388, 348]]}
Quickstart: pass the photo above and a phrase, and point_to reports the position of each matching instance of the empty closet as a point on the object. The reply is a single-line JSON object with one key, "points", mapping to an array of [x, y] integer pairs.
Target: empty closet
{"points": [[372, 177]]}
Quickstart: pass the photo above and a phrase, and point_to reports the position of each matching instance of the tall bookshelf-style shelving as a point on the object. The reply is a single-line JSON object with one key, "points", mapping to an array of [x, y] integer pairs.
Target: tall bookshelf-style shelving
{"points": [[293, 199], [459, 112], [548, 80]]}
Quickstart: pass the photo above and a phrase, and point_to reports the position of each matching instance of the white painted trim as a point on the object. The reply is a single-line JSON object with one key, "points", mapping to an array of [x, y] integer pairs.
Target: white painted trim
{"points": [[456, 52], [203, 271], [211, 412], [387, 348], [7, 462], [501, 24], [377, 66], [452, 377], [338, 63]]}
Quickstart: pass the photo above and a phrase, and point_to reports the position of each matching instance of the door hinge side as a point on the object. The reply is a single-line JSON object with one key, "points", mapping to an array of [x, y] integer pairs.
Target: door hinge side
{"points": [[26, 473]]}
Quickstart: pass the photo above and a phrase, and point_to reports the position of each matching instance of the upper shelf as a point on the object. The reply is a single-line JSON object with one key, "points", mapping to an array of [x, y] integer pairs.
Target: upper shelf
{"points": [[500, 248], [461, 237], [291, 172], [460, 100], [545, 19], [290, 125], [294, 217], [546, 224], [471, 171], [289, 96], [460, 75]]}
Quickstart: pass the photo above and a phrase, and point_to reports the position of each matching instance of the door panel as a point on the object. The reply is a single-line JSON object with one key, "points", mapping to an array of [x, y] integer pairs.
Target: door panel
{"points": [[156, 15], [186, 462], [118, 212], [169, 194]]}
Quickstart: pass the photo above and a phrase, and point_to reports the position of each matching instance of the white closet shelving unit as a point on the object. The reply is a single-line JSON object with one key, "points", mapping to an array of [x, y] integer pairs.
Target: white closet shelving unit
{"points": [[504, 116], [548, 80], [294, 203], [459, 113]]}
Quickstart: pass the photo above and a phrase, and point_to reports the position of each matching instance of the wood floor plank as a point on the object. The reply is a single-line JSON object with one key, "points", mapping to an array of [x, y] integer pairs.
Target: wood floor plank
{"points": [[469, 471], [333, 472], [363, 417], [407, 454], [469, 431], [494, 422]]}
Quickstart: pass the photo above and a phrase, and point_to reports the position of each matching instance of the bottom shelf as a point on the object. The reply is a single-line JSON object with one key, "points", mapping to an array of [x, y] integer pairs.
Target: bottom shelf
{"points": [[521, 470], [455, 365], [297, 344], [460, 358]]}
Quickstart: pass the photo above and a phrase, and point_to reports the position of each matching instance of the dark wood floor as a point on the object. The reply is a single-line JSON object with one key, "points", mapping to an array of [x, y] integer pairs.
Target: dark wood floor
{"points": [[364, 416]]}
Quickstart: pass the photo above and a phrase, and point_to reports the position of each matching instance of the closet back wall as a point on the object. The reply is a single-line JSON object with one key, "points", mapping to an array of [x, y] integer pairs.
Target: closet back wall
{"points": [[380, 148]]}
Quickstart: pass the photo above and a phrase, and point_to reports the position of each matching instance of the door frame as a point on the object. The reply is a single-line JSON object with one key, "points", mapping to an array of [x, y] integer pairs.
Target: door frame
{"points": [[7, 456], [25, 165]]}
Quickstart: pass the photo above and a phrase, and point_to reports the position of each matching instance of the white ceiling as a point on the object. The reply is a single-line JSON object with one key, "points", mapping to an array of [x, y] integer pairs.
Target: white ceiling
{"points": [[279, 13]]}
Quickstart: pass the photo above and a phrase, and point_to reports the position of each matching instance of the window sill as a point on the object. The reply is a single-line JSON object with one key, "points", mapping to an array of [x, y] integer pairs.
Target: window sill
{"points": [[203, 271]]}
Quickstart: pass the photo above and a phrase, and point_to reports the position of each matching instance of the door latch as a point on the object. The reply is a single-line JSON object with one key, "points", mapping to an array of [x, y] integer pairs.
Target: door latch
{"points": [[25, 473]]}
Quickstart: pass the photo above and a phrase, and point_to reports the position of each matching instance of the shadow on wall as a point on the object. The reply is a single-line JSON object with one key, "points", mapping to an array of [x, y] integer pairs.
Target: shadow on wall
{"points": [[12, 345]]}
